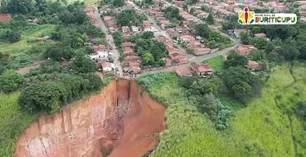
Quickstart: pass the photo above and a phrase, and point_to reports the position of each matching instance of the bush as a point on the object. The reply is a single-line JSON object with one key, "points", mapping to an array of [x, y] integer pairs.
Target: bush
{"points": [[14, 37], [10, 81], [44, 97]]}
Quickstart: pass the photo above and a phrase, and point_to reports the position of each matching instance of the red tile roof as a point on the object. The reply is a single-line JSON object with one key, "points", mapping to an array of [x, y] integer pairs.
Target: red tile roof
{"points": [[203, 68], [254, 65], [183, 71], [5, 17], [260, 35], [128, 44]]}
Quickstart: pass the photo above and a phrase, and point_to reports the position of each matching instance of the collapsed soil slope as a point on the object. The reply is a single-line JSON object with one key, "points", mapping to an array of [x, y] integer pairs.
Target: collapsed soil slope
{"points": [[120, 121]]}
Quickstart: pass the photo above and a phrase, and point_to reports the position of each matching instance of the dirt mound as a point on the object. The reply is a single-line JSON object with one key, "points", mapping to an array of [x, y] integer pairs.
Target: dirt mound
{"points": [[120, 121]]}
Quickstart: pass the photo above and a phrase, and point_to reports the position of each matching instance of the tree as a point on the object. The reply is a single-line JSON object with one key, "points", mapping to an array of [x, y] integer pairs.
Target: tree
{"points": [[202, 30], [257, 55], [234, 60], [187, 81], [128, 17], [173, 13], [289, 49], [10, 81], [147, 58], [95, 82], [20, 6], [82, 64], [44, 97], [148, 35], [14, 37], [192, 10], [212, 44], [203, 87], [50, 67], [58, 52], [255, 29], [118, 39], [118, 3], [192, 1], [210, 19], [205, 8], [242, 83], [244, 37], [185, 7], [189, 50], [261, 43], [270, 47]]}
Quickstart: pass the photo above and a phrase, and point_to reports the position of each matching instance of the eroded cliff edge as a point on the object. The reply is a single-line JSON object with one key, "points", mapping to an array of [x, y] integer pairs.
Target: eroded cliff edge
{"points": [[120, 121]]}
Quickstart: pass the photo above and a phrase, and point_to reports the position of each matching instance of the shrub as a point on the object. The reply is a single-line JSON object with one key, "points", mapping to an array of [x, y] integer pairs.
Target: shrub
{"points": [[10, 81]]}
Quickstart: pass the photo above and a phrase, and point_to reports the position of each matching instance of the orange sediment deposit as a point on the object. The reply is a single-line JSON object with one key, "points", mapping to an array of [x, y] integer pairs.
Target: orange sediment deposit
{"points": [[121, 121]]}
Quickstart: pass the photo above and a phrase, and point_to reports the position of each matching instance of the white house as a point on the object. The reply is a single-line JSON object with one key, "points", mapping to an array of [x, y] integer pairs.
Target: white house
{"points": [[150, 29], [99, 55], [135, 29], [107, 66]]}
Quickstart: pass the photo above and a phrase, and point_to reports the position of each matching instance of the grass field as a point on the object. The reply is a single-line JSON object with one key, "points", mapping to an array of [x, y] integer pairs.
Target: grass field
{"points": [[27, 38], [13, 122], [217, 63], [262, 128]]}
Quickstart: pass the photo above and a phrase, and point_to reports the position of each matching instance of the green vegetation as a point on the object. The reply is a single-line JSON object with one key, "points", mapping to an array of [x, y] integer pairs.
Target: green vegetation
{"points": [[173, 14], [210, 19], [215, 39], [13, 122], [151, 51], [48, 88], [259, 128], [129, 17], [217, 63]]}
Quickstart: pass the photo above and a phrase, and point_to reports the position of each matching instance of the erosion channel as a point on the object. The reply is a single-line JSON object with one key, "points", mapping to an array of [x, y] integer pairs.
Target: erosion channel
{"points": [[121, 121]]}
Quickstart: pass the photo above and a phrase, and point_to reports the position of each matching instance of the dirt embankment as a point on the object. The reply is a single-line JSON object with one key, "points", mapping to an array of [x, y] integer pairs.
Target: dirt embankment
{"points": [[121, 121]]}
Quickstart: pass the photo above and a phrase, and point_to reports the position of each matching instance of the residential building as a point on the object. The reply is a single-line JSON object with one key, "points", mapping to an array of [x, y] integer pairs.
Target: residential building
{"points": [[236, 32], [99, 55], [260, 35], [5, 17], [183, 71], [202, 70], [125, 29], [245, 49], [128, 44], [135, 29], [107, 66], [254, 65]]}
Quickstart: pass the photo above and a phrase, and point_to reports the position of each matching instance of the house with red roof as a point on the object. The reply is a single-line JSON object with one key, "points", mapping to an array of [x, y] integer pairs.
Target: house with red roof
{"points": [[202, 70], [254, 65], [245, 49], [128, 44], [260, 35], [183, 71], [5, 17], [125, 29]]}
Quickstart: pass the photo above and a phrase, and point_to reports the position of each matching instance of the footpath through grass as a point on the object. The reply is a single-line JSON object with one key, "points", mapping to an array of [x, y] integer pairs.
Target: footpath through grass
{"points": [[262, 128]]}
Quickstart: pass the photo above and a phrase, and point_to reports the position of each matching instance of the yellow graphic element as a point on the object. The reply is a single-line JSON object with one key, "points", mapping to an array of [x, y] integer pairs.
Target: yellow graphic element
{"points": [[241, 15]]}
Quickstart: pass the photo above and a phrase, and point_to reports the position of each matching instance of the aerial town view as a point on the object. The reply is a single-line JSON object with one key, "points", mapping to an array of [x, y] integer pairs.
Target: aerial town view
{"points": [[152, 78]]}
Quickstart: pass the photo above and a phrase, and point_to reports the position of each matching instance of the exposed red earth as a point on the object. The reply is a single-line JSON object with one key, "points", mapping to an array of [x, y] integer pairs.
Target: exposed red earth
{"points": [[121, 121]]}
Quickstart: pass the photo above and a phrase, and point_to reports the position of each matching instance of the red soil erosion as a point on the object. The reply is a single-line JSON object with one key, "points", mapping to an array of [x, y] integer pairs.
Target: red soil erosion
{"points": [[121, 121]]}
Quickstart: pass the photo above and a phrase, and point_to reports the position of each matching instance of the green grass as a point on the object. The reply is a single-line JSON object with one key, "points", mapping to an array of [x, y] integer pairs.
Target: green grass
{"points": [[217, 63], [13, 122], [262, 128], [27, 40]]}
